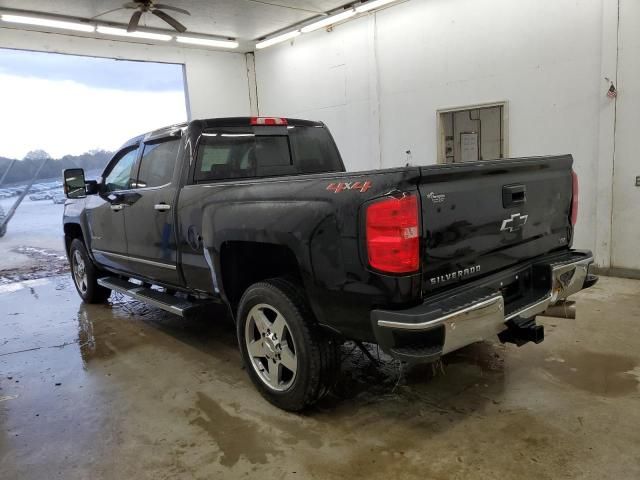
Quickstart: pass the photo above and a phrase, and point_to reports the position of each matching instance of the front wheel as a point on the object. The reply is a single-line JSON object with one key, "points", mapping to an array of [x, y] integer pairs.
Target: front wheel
{"points": [[288, 357], [85, 274]]}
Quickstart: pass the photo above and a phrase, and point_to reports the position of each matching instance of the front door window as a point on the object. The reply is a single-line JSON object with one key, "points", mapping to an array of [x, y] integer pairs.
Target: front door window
{"points": [[120, 174]]}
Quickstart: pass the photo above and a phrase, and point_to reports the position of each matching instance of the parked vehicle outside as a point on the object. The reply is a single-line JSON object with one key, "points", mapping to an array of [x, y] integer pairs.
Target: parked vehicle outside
{"points": [[41, 196]]}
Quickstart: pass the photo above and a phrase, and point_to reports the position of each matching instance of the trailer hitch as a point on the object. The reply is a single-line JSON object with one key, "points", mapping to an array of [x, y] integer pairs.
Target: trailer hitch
{"points": [[522, 330]]}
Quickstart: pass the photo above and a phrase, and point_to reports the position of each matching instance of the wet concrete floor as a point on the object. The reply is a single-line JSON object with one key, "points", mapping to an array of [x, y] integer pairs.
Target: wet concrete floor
{"points": [[126, 391]]}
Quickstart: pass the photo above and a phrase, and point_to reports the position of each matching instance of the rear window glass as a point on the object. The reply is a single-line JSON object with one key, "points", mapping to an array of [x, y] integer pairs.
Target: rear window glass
{"points": [[236, 152], [314, 150]]}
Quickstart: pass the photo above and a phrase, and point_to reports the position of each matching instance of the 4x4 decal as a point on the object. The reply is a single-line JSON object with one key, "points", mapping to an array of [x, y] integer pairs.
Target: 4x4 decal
{"points": [[342, 186]]}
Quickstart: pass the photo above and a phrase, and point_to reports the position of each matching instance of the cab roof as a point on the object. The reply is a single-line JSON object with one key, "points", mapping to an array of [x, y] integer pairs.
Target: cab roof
{"points": [[213, 123]]}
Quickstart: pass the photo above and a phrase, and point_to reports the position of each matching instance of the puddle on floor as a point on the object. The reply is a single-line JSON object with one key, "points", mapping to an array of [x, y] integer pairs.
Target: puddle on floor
{"points": [[235, 436], [606, 374]]}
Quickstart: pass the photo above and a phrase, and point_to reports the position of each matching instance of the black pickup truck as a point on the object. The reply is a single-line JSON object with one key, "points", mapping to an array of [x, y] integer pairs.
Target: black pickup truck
{"points": [[259, 215]]}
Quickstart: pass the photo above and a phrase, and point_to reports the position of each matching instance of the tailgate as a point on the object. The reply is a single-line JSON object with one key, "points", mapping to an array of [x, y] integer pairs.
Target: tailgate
{"points": [[480, 217]]}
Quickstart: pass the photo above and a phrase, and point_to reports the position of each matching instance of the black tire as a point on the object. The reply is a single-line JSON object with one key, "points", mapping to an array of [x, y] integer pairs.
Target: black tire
{"points": [[88, 289], [317, 353]]}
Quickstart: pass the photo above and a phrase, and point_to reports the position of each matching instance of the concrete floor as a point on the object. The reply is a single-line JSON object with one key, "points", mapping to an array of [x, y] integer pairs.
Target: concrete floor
{"points": [[125, 391]]}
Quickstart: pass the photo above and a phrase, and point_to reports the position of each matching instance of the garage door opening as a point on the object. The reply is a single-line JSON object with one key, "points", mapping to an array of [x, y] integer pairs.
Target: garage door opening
{"points": [[472, 133], [64, 111], [85, 102]]}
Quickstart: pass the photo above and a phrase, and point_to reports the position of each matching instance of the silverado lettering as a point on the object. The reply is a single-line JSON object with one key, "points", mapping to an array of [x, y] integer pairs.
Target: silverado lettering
{"points": [[459, 274]]}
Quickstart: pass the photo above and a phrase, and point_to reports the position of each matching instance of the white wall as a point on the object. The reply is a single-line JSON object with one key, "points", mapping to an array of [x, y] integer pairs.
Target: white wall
{"points": [[377, 81], [327, 77], [625, 241], [216, 82]]}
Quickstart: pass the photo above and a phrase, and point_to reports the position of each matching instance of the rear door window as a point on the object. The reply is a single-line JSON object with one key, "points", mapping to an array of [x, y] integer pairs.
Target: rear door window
{"points": [[157, 163], [243, 153]]}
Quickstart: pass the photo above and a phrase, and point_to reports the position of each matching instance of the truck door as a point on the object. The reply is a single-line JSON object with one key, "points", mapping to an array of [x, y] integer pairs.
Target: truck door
{"points": [[105, 212], [149, 215]]}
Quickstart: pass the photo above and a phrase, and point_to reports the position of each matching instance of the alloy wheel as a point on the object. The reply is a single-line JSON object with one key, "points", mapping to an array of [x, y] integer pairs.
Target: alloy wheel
{"points": [[79, 272], [271, 347]]}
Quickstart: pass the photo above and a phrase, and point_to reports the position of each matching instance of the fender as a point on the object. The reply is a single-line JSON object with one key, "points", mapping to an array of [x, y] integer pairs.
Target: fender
{"points": [[292, 224]]}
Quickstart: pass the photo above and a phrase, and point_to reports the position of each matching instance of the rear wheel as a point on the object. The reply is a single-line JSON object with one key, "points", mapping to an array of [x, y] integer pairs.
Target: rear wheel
{"points": [[291, 361], [85, 274]]}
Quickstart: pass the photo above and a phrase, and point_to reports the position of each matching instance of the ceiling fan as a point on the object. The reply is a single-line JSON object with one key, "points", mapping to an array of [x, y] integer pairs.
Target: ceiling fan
{"points": [[149, 6]]}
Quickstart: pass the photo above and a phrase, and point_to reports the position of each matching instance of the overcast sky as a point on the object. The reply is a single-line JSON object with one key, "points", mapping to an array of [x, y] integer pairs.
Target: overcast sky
{"points": [[66, 104]]}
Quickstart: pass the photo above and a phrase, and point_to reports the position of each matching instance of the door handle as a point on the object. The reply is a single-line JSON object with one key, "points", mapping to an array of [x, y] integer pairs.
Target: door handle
{"points": [[513, 195], [117, 207], [162, 207]]}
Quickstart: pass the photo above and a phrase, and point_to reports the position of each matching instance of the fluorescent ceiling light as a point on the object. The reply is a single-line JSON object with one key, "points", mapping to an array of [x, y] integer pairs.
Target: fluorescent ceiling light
{"points": [[371, 4], [280, 38], [121, 32], [47, 22], [208, 42], [325, 22]]}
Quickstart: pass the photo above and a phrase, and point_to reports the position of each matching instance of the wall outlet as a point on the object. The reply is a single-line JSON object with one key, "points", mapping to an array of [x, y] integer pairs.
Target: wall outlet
{"points": [[638, 181]]}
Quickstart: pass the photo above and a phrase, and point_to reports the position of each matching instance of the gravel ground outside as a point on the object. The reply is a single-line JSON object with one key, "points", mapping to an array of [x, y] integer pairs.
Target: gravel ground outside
{"points": [[33, 245]]}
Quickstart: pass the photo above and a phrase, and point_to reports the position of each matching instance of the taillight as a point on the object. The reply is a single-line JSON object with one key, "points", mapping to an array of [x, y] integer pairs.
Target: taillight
{"points": [[393, 244], [268, 121], [574, 197]]}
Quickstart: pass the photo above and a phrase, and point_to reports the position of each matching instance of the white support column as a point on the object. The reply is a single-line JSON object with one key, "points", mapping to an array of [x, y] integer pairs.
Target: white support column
{"points": [[374, 92], [606, 140], [187, 98], [254, 105]]}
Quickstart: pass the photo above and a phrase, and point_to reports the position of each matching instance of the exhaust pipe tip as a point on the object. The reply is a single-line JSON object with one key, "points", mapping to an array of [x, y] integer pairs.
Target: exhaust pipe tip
{"points": [[562, 309]]}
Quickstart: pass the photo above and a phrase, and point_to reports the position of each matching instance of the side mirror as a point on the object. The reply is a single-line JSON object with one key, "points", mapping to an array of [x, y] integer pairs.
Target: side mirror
{"points": [[74, 184]]}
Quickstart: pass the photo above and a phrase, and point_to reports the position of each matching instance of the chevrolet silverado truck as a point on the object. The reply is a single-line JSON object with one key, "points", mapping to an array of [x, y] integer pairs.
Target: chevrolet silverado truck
{"points": [[258, 214]]}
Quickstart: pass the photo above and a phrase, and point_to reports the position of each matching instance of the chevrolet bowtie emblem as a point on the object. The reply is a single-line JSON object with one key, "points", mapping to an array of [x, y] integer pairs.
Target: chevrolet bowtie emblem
{"points": [[516, 222]]}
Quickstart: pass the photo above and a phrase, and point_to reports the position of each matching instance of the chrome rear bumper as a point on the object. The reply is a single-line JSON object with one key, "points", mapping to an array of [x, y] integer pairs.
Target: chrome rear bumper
{"points": [[569, 278], [477, 314]]}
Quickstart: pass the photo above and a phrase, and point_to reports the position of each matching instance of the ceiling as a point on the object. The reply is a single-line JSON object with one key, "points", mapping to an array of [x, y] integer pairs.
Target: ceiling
{"points": [[240, 19]]}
